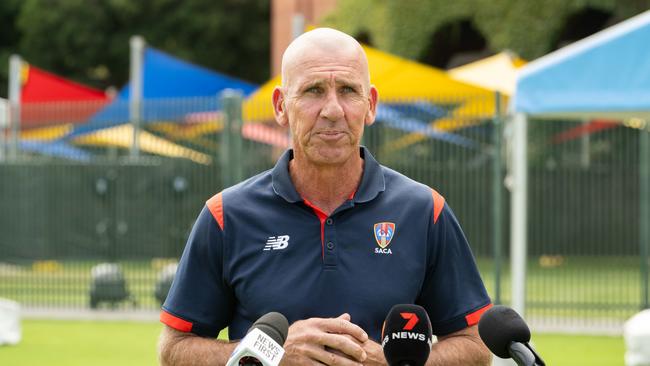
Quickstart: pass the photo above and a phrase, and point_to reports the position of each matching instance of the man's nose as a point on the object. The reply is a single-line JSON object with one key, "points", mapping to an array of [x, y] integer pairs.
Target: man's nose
{"points": [[332, 109]]}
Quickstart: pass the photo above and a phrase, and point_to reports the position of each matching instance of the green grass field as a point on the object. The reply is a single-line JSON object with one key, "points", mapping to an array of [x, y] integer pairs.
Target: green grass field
{"points": [[567, 350], [81, 343], [67, 284], [574, 287]]}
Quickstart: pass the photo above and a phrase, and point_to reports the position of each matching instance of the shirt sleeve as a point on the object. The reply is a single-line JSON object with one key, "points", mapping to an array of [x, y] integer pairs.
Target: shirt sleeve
{"points": [[453, 293], [200, 301]]}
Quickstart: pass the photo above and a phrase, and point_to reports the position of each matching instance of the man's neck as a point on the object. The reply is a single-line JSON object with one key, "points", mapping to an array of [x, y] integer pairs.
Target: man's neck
{"points": [[326, 187]]}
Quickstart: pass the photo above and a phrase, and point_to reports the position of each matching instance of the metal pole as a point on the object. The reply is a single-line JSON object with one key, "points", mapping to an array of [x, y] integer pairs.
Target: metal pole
{"points": [[15, 64], [4, 123], [644, 212], [297, 25], [497, 199], [585, 142], [297, 28], [231, 143], [519, 212], [135, 97]]}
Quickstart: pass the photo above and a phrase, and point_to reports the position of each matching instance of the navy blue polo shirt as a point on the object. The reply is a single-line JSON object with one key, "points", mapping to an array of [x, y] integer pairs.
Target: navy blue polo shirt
{"points": [[259, 247]]}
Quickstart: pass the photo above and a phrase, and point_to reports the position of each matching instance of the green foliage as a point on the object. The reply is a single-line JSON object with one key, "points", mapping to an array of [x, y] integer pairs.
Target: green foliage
{"points": [[88, 40], [8, 39], [530, 28], [356, 17], [59, 36]]}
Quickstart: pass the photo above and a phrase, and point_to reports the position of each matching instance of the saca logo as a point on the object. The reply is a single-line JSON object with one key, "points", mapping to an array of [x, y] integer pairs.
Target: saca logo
{"points": [[384, 233]]}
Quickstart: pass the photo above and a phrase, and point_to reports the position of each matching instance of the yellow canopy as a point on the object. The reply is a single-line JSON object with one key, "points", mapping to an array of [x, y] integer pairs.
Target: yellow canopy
{"points": [[402, 80], [397, 79], [122, 136], [498, 72], [48, 133]]}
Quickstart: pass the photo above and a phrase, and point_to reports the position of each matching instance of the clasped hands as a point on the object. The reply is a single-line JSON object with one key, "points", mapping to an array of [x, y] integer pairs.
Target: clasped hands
{"points": [[330, 341]]}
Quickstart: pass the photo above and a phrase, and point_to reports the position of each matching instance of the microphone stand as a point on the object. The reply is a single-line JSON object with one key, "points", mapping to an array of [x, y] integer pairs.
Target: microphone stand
{"points": [[524, 355]]}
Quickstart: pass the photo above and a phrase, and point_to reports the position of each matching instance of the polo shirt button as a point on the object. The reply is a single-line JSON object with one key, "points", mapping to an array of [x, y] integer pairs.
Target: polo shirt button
{"points": [[329, 221], [330, 245]]}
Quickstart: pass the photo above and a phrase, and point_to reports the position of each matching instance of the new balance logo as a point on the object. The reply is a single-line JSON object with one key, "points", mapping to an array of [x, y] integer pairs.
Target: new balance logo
{"points": [[277, 243]]}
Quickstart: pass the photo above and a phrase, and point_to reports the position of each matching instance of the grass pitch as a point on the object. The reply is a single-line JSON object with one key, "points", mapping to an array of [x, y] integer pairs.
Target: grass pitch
{"points": [[82, 343]]}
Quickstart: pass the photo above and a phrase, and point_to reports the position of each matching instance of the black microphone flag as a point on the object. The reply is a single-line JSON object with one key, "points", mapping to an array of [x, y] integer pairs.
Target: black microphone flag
{"points": [[407, 336]]}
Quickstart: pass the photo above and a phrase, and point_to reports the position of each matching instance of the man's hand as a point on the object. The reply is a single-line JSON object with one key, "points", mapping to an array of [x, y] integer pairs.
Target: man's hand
{"points": [[375, 354], [332, 341]]}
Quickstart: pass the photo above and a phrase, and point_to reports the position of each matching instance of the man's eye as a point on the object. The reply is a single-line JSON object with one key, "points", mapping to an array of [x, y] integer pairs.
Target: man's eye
{"points": [[314, 90], [347, 89]]}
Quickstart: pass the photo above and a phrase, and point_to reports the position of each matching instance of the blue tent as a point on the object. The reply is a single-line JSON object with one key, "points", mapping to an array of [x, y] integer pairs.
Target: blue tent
{"points": [[604, 75], [166, 77], [417, 117], [58, 149], [607, 74]]}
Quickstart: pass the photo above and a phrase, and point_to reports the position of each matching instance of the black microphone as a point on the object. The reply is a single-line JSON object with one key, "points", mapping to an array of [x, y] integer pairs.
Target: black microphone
{"points": [[262, 345], [506, 334], [406, 336]]}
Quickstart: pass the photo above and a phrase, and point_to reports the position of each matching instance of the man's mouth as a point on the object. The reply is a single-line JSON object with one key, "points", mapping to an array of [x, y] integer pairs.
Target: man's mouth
{"points": [[330, 135]]}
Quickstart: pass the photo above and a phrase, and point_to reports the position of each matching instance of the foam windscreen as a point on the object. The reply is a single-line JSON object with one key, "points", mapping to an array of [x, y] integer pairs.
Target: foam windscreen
{"points": [[501, 325], [273, 324]]}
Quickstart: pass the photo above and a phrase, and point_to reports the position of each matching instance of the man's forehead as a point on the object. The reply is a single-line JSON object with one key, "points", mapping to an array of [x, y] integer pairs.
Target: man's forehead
{"points": [[323, 46], [328, 79], [324, 75], [318, 68], [335, 59]]}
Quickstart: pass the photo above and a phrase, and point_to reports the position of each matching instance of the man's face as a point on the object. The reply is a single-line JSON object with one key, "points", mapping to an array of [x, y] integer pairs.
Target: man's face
{"points": [[327, 102]]}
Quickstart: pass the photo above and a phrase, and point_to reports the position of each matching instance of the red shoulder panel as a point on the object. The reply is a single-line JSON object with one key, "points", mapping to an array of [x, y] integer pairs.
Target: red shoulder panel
{"points": [[215, 205], [438, 204]]}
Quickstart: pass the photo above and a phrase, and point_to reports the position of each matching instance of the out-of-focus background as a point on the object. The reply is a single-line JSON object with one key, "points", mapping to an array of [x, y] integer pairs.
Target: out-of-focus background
{"points": [[119, 119]]}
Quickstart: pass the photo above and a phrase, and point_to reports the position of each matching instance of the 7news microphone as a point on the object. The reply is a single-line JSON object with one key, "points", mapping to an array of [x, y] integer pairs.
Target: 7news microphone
{"points": [[407, 336], [506, 334], [262, 345]]}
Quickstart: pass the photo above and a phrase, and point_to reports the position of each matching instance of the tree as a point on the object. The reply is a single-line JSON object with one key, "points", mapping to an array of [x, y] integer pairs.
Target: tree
{"points": [[530, 28], [9, 37], [88, 40]]}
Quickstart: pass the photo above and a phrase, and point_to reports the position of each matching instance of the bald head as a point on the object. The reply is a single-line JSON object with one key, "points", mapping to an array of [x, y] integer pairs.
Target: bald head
{"points": [[326, 98], [324, 42]]}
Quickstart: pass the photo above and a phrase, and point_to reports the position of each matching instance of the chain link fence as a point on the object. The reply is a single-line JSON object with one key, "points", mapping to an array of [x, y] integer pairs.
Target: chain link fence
{"points": [[74, 194]]}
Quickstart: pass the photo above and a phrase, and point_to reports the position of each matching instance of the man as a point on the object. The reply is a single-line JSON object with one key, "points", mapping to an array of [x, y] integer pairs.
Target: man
{"points": [[329, 238]]}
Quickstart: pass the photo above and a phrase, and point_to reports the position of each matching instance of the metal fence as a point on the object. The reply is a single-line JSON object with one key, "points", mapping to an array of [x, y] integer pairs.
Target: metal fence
{"points": [[586, 260], [74, 194]]}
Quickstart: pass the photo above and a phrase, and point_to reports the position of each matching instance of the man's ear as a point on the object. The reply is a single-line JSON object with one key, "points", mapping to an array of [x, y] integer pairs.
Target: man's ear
{"points": [[279, 107], [373, 98]]}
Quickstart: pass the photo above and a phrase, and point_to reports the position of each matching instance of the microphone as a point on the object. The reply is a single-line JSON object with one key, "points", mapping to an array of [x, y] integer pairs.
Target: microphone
{"points": [[406, 336], [262, 345], [506, 334]]}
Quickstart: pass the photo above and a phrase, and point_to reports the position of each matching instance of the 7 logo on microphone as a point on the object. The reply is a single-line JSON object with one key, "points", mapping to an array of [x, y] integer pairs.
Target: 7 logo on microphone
{"points": [[412, 320]]}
